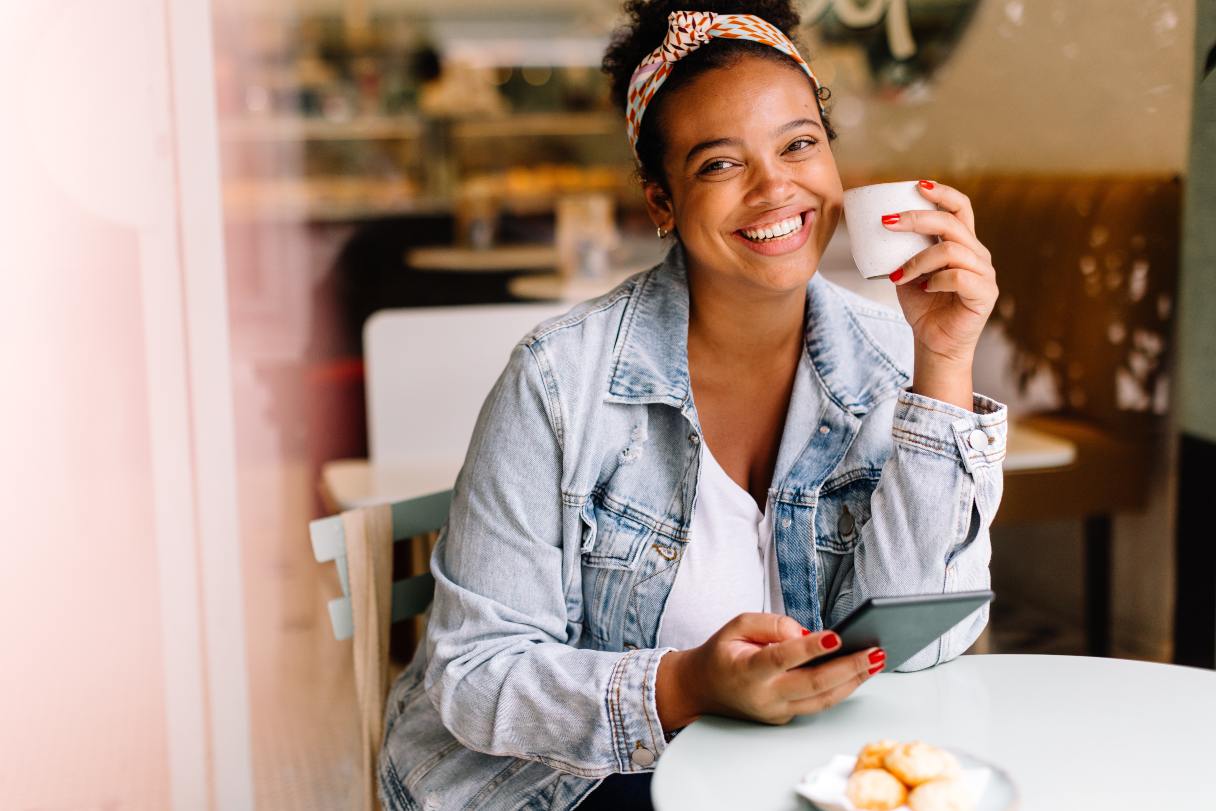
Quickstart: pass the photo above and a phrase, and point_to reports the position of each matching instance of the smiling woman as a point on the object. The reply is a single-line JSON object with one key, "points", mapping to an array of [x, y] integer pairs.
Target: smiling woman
{"points": [[733, 150], [793, 197], [674, 489]]}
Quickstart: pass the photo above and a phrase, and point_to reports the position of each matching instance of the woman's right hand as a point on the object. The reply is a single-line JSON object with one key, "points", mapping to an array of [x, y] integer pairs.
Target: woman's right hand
{"points": [[751, 669]]}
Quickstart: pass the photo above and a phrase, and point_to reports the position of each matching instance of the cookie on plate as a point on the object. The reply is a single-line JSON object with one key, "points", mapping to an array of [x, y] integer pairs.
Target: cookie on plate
{"points": [[875, 790], [919, 762], [871, 755], [943, 794]]}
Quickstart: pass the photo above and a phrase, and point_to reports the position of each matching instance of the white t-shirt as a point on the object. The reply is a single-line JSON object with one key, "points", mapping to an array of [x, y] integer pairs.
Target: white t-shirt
{"points": [[729, 564]]}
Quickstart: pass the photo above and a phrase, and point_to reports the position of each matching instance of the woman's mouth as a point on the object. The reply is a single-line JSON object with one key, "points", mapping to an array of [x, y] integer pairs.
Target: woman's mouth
{"points": [[779, 237]]}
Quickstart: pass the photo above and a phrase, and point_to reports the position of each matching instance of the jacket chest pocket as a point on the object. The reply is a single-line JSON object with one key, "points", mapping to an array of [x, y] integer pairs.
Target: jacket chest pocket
{"points": [[611, 540], [843, 509]]}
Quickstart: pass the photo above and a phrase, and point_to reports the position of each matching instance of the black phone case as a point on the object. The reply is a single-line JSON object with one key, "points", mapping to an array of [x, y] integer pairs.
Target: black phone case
{"points": [[902, 626]]}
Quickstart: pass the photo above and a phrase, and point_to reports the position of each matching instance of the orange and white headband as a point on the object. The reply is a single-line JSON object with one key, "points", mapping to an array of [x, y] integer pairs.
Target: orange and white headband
{"points": [[687, 31]]}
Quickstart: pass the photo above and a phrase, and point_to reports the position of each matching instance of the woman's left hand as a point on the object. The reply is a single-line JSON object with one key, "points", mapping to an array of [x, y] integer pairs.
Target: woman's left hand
{"points": [[948, 290]]}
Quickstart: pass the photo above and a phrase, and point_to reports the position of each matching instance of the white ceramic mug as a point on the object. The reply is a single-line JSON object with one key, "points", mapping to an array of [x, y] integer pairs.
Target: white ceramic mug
{"points": [[878, 250]]}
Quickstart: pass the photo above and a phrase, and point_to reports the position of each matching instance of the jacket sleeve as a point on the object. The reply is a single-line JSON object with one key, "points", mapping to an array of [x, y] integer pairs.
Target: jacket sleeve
{"points": [[931, 511], [503, 671]]}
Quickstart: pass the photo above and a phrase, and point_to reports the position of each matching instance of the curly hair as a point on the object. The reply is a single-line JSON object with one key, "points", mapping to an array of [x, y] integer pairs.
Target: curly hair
{"points": [[644, 31]]}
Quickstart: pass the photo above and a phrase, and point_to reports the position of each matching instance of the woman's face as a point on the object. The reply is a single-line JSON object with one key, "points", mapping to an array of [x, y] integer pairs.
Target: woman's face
{"points": [[746, 151]]}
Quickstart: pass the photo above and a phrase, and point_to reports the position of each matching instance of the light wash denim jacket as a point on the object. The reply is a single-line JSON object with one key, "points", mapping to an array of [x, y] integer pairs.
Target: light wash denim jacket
{"points": [[569, 517]]}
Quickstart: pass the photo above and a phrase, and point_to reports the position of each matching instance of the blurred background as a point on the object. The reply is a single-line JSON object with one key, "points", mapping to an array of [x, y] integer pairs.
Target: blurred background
{"points": [[204, 205]]}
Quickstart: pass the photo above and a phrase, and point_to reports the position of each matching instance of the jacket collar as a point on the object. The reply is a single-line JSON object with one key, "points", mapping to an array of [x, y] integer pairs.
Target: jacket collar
{"points": [[650, 363]]}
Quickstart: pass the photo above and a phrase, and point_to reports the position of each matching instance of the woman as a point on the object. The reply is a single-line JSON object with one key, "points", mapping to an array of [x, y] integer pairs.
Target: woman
{"points": [[674, 487]]}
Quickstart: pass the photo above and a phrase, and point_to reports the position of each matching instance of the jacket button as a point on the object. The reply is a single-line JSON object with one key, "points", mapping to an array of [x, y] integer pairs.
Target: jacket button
{"points": [[846, 524], [693, 438], [642, 757], [978, 440], [823, 429]]}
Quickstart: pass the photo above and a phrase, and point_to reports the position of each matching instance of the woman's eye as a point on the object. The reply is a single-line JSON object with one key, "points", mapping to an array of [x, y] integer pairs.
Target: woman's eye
{"points": [[807, 144], [710, 167]]}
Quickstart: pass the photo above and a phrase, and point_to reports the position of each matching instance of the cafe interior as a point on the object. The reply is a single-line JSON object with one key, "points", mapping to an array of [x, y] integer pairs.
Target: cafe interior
{"points": [[268, 258]]}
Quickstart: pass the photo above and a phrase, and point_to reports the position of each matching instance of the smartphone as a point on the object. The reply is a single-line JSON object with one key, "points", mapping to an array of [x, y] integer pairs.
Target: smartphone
{"points": [[902, 626]]}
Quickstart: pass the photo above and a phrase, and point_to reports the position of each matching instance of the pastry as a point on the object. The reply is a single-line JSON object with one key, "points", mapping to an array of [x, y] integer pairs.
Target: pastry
{"points": [[943, 794], [875, 790], [871, 755], [918, 762]]}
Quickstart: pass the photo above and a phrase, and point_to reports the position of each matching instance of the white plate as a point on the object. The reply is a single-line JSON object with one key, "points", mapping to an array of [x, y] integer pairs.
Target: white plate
{"points": [[824, 786]]}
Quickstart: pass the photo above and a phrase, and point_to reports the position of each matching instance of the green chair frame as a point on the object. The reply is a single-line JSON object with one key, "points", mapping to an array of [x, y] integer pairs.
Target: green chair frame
{"points": [[411, 596]]}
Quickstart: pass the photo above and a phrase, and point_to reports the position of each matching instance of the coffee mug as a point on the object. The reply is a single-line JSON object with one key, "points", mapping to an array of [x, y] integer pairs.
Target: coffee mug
{"points": [[877, 250]]}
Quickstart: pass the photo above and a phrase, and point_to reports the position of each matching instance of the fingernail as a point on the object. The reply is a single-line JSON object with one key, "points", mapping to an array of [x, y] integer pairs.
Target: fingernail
{"points": [[830, 641], [928, 184], [875, 669], [897, 275], [878, 656], [890, 219], [805, 632]]}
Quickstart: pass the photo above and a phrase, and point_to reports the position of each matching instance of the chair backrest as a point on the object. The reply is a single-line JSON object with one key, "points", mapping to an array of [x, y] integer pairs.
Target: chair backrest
{"points": [[429, 370], [360, 543], [410, 519]]}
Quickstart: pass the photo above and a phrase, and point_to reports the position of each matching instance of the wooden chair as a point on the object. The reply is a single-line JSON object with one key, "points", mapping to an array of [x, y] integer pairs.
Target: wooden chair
{"points": [[360, 542]]}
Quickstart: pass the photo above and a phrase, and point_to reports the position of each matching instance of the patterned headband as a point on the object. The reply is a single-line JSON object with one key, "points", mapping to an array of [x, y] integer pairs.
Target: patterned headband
{"points": [[687, 31]]}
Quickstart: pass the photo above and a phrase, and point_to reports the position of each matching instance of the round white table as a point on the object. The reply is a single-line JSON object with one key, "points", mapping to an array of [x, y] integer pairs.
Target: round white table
{"points": [[1072, 732], [350, 483]]}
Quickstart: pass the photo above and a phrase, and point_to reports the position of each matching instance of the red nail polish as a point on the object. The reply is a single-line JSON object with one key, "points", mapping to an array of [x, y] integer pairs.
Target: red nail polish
{"points": [[928, 184], [830, 641], [876, 668], [890, 219], [897, 275], [878, 656], [805, 632]]}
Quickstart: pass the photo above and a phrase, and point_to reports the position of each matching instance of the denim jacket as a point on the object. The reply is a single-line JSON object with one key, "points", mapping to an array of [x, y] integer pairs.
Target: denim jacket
{"points": [[572, 510]]}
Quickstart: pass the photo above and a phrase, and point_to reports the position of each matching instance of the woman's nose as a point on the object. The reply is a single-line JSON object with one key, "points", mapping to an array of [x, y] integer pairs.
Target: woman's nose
{"points": [[771, 184]]}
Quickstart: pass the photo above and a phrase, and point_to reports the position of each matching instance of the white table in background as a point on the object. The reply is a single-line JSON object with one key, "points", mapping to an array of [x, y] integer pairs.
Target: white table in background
{"points": [[1029, 449], [568, 289], [633, 255], [1074, 733], [350, 483]]}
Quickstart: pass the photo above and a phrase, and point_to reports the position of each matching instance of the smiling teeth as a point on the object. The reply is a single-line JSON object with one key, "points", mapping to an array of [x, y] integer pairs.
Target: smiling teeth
{"points": [[781, 229]]}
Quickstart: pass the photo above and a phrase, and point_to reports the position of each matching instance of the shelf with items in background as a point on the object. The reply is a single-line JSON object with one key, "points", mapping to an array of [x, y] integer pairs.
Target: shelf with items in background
{"points": [[321, 127]]}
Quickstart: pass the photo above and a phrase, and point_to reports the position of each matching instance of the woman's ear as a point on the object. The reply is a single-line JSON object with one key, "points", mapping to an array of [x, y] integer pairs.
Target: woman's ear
{"points": [[658, 205]]}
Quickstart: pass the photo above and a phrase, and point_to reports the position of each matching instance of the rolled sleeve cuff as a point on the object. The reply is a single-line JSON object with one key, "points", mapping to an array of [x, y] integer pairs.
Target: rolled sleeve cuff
{"points": [[637, 734], [975, 438]]}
